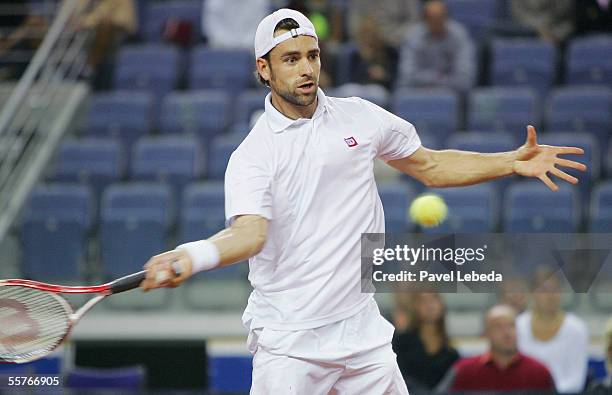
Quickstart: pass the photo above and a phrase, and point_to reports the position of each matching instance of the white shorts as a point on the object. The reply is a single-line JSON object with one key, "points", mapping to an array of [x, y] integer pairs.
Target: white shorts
{"points": [[353, 356]]}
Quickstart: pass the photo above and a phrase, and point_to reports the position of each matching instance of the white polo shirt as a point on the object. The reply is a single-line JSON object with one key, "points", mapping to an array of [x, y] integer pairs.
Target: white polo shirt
{"points": [[313, 179]]}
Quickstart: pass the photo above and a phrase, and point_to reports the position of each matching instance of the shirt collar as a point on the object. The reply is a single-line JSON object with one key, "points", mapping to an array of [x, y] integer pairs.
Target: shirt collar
{"points": [[278, 122], [487, 359]]}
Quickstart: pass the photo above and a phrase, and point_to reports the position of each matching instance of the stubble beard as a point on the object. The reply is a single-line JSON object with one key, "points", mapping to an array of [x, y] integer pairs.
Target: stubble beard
{"points": [[295, 98]]}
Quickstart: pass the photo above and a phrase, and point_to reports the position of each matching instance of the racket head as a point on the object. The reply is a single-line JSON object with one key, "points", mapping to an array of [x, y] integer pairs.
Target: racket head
{"points": [[32, 323]]}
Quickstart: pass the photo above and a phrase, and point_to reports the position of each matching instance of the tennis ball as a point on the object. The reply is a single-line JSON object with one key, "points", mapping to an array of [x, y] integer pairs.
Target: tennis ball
{"points": [[428, 210]]}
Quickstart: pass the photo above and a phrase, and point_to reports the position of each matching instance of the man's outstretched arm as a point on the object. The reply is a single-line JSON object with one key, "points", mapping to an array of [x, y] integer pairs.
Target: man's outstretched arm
{"points": [[451, 168], [243, 239]]}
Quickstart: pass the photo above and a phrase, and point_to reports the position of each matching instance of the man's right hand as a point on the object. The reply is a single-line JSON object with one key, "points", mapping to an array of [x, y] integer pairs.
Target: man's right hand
{"points": [[161, 271]]}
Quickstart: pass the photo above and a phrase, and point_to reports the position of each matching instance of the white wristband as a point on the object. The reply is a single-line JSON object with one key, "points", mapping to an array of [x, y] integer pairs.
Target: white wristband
{"points": [[204, 255]]}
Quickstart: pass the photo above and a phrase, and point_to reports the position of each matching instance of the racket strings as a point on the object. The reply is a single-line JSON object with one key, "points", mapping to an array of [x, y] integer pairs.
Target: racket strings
{"points": [[32, 322]]}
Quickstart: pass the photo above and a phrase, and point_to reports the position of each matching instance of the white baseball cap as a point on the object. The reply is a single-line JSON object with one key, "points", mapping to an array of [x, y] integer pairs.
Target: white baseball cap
{"points": [[264, 36]]}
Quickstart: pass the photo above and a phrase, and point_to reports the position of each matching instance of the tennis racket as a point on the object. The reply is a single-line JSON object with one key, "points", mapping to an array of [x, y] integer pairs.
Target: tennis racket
{"points": [[35, 319]]}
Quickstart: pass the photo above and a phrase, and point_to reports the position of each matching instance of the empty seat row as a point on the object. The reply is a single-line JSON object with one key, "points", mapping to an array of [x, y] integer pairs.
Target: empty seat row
{"points": [[131, 115], [571, 109], [137, 219], [437, 113], [176, 160], [157, 68], [180, 160]]}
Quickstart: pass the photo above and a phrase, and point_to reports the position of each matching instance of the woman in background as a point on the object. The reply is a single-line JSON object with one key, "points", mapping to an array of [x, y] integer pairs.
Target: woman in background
{"points": [[424, 353], [556, 338]]}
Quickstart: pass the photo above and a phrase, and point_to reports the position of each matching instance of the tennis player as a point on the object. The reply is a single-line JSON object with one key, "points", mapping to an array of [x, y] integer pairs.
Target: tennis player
{"points": [[299, 192]]}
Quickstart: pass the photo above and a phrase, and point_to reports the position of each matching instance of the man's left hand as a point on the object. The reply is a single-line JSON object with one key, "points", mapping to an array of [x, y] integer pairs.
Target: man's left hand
{"points": [[535, 160]]}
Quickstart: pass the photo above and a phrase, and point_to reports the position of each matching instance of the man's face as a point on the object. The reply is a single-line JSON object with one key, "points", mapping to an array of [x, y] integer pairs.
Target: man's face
{"points": [[429, 307], [514, 293], [435, 17], [547, 297], [293, 69], [501, 332]]}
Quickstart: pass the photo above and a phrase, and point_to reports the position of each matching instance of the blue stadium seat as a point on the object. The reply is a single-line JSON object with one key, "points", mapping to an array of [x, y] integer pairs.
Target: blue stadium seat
{"points": [[247, 103], [396, 198], [241, 129], [429, 141], [174, 160], [344, 62], [373, 93], [204, 114], [591, 156], [483, 141], [432, 112], [134, 224], [220, 151], [529, 206], [608, 160], [202, 211], [470, 209], [581, 109], [123, 115], [159, 12], [56, 222], [229, 70], [478, 16], [92, 161], [502, 109], [149, 67], [589, 61], [523, 62], [600, 215]]}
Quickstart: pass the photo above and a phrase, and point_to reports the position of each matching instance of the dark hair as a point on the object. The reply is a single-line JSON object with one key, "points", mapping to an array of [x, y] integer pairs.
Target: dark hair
{"points": [[285, 24], [415, 320]]}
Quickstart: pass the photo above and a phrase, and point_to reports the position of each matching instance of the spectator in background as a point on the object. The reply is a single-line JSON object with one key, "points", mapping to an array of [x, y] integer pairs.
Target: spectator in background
{"points": [[393, 17], [327, 20], [437, 52], [424, 353], [593, 16], [605, 385], [232, 23], [514, 293], [326, 16], [112, 22], [375, 61], [21, 31], [552, 20], [503, 367], [558, 339]]}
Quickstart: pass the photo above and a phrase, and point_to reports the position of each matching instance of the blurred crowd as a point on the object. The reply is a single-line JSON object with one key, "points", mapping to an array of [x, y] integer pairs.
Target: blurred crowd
{"points": [[398, 43], [533, 343]]}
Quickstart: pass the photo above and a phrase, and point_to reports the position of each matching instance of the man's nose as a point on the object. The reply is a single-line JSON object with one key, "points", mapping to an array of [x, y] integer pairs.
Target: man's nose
{"points": [[305, 67]]}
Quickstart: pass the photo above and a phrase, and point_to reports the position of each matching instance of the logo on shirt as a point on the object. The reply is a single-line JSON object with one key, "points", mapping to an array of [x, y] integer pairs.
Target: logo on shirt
{"points": [[350, 141]]}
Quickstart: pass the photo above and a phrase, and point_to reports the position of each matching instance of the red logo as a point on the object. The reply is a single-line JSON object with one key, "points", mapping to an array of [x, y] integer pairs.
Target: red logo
{"points": [[350, 141]]}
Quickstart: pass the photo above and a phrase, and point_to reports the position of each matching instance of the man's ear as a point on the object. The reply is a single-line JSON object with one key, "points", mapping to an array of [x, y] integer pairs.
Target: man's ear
{"points": [[263, 68]]}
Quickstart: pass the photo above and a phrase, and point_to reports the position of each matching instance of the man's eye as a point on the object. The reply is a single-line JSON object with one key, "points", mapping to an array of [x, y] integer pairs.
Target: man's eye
{"points": [[290, 60], [314, 56]]}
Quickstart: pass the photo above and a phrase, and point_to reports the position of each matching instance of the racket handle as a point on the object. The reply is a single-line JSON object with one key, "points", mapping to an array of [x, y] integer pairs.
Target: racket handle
{"points": [[128, 282]]}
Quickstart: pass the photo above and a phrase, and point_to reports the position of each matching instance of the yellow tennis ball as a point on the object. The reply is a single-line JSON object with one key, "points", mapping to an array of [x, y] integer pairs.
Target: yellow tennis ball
{"points": [[428, 210]]}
